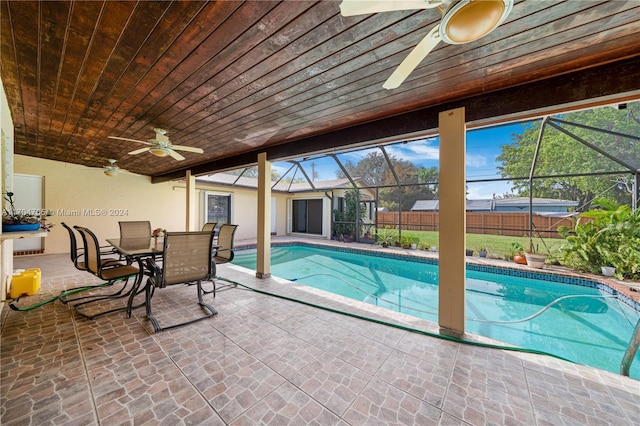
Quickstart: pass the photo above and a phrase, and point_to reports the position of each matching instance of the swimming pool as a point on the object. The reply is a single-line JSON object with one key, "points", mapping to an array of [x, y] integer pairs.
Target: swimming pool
{"points": [[574, 318]]}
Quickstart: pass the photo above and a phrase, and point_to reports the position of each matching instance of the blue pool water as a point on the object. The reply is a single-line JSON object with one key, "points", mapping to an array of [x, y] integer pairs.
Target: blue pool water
{"points": [[586, 324]]}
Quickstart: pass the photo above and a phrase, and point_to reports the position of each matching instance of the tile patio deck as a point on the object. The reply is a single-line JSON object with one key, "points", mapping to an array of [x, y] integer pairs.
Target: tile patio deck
{"points": [[270, 360]]}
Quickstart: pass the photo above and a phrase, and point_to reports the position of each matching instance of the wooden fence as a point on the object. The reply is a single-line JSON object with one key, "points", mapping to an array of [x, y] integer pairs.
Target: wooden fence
{"points": [[495, 223]]}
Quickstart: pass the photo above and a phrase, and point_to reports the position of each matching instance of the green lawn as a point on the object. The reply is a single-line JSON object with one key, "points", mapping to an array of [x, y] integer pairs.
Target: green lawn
{"points": [[497, 245]]}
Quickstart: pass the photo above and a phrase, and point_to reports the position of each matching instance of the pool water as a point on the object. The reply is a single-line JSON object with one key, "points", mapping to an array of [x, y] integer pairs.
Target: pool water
{"points": [[577, 322]]}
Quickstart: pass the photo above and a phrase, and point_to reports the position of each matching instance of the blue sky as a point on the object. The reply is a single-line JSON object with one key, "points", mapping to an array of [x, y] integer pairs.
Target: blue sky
{"points": [[483, 146]]}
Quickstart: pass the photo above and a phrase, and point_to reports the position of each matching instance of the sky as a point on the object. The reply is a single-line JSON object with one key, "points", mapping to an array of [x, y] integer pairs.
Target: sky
{"points": [[483, 146]]}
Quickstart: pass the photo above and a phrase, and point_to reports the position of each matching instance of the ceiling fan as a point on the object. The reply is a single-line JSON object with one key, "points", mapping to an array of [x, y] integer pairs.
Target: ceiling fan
{"points": [[463, 21], [112, 169], [161, 146]]}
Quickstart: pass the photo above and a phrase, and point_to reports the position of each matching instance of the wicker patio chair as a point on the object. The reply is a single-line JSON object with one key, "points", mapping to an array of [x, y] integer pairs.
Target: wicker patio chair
{"points": [[186, 259]]}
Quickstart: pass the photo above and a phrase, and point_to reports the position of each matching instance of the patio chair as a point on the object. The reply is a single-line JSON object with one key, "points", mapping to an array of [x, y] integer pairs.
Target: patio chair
{"points": [[77, 258], [135, 229], [224, 251], [209, 227], [186, 259], [108, 270]]}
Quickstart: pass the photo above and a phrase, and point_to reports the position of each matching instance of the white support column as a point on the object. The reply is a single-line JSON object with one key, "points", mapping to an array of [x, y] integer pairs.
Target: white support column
{"points": [[263, 264], [190, 224], [452, 219]]}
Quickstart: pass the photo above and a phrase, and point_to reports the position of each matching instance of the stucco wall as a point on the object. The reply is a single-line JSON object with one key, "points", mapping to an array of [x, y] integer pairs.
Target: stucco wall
{"points": [[80, 195], [6, 247]]}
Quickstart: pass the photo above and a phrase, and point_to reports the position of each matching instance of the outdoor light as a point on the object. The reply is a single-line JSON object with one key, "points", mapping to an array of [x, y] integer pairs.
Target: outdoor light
{"points": [[469, 20], [159, 151]]}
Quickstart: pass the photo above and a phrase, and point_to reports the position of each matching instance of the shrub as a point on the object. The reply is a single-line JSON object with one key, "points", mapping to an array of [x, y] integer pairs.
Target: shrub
{"points": [[612, 238]]}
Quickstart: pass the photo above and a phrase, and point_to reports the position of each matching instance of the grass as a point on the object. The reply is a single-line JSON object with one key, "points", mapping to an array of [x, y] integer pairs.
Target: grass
{"points": [[496, 245]]}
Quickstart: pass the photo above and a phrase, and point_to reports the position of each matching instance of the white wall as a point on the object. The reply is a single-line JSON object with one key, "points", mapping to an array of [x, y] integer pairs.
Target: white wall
{"points": [[6, 247]]}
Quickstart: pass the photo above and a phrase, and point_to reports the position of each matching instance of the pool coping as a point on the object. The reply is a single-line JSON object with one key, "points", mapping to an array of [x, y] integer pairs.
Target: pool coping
{"points": [[627, 293]]}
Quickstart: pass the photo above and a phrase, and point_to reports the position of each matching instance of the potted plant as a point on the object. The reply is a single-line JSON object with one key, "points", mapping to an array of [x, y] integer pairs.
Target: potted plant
{"points": [[517, 253], [535, 259], [19, 220], [609, 261], [482, 251], [608, 271], [468, 252], [414, 242], [405, 241]]}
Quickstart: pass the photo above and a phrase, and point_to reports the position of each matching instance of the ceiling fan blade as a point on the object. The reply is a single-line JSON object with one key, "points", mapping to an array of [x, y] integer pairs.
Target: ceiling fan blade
{"points": [[175, 155], [362, 7], [414, 58], [128, 139], [138, 151], [187, 148]]}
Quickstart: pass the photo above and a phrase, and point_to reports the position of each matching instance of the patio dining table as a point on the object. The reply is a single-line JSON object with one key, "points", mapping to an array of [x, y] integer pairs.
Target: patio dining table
{"points": [[137, 250]]}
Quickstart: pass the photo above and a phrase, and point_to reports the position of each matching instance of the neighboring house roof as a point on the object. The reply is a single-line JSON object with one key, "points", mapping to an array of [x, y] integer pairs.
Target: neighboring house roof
{"points": [[425, 205], [524, 202], [494, 204], [434, 205], [480, 205]]}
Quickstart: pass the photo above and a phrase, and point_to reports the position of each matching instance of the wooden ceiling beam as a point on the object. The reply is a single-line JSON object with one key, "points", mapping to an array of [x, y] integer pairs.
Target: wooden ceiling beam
{"points": [[606, 84]]}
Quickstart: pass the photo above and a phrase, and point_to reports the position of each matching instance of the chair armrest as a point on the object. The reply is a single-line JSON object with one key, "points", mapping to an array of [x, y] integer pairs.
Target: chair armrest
{"points": [[155, 274], [227, 258], [107, 250]]}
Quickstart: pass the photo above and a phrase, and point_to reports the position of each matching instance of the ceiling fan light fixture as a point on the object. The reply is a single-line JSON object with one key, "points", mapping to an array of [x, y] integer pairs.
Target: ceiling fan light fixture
{"points": [[111, 172], [159, 151], [468, 20]]}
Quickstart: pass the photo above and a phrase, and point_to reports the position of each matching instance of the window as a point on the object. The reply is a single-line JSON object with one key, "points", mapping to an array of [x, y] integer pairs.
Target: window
{"points": [[217, 208]]}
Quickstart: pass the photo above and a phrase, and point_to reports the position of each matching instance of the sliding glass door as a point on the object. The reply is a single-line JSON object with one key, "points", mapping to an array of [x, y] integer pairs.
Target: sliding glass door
{"points": [[306, 216]]}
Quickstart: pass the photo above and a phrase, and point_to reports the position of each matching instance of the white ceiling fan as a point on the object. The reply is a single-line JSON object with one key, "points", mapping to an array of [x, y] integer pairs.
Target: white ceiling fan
{"points": [[463, 21], [112, 169], [160, 146]]}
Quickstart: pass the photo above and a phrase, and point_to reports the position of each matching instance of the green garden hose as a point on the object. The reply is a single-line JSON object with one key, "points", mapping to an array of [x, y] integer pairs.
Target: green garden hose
{"points": [[63, 294]]}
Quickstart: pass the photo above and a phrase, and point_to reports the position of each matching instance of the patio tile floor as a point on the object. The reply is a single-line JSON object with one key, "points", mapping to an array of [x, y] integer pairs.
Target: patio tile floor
{"points": [[270, 360]]}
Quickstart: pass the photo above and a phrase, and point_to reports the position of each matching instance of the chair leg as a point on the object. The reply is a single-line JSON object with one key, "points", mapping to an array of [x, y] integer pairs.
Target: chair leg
{"points": [[64, 294], [147, 300], [119, 294], [213, 289], [201, 302]]}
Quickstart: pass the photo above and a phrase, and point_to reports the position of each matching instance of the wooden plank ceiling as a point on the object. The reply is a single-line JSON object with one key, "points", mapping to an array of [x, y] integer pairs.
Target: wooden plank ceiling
{"points": [[237, 78]]}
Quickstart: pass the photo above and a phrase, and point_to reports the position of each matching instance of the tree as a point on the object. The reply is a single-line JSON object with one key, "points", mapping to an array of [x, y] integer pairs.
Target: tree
{"points": [[561, 154], [371, 169], [414, 183], [345, 221]]}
